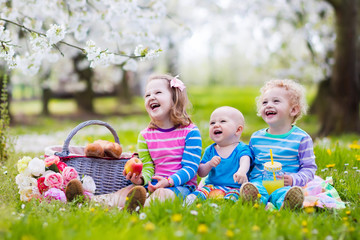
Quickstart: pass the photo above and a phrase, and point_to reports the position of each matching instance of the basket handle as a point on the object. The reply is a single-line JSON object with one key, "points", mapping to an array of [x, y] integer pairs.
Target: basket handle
{"points": [[65, 150]]}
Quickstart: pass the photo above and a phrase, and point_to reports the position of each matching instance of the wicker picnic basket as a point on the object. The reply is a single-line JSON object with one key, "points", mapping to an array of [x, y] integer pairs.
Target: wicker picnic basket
{"points": [[106, 172]]}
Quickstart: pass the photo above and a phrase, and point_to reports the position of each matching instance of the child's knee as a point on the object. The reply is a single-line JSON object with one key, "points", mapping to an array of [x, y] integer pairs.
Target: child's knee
{"points": [[162, 194]]}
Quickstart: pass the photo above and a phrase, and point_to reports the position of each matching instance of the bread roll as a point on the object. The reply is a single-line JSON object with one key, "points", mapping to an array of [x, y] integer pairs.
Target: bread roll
{"points": [[94, 150]]}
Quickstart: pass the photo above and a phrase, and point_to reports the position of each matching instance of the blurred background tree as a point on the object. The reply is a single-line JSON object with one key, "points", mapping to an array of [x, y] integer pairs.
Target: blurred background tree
{"points": [[212, 42]]}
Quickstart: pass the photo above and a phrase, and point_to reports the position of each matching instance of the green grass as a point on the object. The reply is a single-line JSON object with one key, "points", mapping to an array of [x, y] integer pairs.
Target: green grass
{"points": [[169, 220]]}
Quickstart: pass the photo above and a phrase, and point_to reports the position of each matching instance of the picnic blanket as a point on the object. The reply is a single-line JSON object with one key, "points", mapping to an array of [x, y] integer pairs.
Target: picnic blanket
{"points": [[321, 193], [318, 193]]}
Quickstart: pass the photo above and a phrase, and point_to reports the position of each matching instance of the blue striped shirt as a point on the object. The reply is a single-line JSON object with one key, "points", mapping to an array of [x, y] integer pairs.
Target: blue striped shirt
{"points": [[294, 150]]}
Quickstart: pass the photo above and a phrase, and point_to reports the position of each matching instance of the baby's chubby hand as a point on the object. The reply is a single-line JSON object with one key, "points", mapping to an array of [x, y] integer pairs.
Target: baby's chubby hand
{"points": [[215, 161], [240, 177], [288, 181]]}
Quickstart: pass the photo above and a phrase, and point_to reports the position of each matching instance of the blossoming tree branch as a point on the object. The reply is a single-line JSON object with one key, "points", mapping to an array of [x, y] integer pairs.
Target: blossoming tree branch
{"points": [[107, 32]]}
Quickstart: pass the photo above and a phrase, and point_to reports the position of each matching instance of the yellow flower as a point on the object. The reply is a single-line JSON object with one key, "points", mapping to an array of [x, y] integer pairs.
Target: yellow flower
{"points": [[309, 209], [106, 210], [256, 228], [202, 228], [354, 145], [330, 165], [256, 205], [92, 209], [133, 219], [358, 157], [27, 237], [176, 217], [304, 223], [23, 163], [305, 230], [229, 233], [345, 219], [351, 229], [259, 195], [328, 151], [348, 212], [149, 226], [131, 148], [198, 205]]}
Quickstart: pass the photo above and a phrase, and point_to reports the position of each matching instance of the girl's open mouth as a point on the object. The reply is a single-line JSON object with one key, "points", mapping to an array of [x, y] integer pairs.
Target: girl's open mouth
{"points": [[154, 106]]}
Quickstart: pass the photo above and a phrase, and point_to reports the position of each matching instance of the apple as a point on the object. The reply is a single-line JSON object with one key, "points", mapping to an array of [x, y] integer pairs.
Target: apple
{"points": [[216, 194], [133, 165]]}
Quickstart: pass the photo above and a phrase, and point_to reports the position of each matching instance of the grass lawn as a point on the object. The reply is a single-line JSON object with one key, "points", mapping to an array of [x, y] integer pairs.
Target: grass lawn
{"points": [[212, 219]]}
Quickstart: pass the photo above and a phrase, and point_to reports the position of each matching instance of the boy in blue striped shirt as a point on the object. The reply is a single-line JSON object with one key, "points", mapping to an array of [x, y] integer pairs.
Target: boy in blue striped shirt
{"points": [[280, 104]]}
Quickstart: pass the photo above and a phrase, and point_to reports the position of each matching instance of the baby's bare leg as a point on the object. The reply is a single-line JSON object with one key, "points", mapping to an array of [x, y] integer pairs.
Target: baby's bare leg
{"points": [[161, 194]]}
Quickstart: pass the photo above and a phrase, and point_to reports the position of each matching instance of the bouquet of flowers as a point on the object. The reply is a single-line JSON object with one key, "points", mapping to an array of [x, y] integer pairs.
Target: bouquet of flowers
{"points": [[47, 179]]}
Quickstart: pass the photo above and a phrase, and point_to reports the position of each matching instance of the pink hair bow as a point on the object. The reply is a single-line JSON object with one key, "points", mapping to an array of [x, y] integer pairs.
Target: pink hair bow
{"points": [[177, 83]]}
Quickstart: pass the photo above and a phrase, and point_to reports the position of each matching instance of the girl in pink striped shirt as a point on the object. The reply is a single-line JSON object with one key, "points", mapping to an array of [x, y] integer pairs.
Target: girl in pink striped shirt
{"points": [[170, 148]]}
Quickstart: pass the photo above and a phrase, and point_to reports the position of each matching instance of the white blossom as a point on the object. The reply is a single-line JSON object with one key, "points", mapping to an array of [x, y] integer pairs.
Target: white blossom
{"points": [[140, 50], [118, 26], [152, 54], [29, 64], [56, 33], [91, 50], [76, 3], [39, 43]]}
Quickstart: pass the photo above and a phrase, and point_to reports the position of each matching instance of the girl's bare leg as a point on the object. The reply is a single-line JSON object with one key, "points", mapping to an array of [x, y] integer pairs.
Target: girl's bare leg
{"points": [[161, 194], [116, 199]]}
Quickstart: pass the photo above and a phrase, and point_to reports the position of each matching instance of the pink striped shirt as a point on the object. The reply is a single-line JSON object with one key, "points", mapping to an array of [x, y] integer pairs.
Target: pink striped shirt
{"points": [[175, 152]]}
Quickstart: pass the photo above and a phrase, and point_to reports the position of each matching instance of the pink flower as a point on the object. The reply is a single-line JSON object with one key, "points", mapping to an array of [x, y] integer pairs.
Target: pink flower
{"points": [[41, 185], [51, 160], [56, 194], [53, 180], [88, 195], [61, 166], [69, 173]]}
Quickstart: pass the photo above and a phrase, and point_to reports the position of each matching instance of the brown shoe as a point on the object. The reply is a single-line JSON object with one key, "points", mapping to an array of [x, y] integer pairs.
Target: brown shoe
{"points": [[248, 192], [135, 198], [74, 189], [294, 198]]}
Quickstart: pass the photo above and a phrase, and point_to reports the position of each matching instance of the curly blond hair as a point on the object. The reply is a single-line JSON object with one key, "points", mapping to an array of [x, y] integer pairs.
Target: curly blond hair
{"points": [[296, 95], [178, 114]]}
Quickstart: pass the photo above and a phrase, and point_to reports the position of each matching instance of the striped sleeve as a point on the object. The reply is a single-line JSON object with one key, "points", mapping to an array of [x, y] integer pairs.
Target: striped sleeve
{"points": [[190, 158], [307, 163], [144, 155]]}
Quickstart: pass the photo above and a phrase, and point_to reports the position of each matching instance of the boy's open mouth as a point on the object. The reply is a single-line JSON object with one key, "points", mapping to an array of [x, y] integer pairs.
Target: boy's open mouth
{"points": [[268, 113], [154, 106]]}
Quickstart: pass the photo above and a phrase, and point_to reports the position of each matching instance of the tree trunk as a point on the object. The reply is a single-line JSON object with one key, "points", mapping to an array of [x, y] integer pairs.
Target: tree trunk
{"points": [[172, 57], [3, 72], [339, 112], [84, 99], [124, 92], [46, 96]]}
